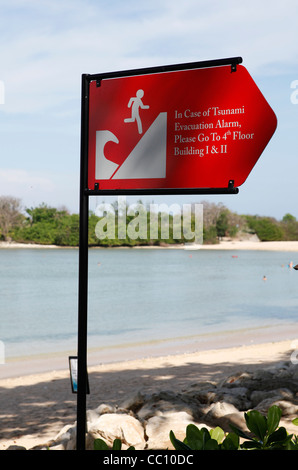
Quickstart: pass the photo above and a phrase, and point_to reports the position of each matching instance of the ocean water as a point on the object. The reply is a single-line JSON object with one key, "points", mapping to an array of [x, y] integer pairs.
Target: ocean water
{"points": [[140, 295]]}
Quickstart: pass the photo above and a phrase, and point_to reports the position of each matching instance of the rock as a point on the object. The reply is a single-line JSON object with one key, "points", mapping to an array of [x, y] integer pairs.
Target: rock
{"points": [[257, 396], [236, 419], [15, 447], [135, 402], [165, 401], [287, 407], [93, 415], [237, 396], [222, 414], [205, 397], [71, 444], [54, 447], [145, 420], [117, 426], [236, 379], [66, 437], [218, 410], [158, 428], [199, 386]]}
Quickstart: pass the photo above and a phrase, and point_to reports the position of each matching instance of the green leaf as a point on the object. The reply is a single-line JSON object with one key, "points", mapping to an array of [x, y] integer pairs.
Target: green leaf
{"points": [[99, 444], [278, 436], [295, 421], [273, 418], [206, 436], [117, 444], [256, 423], [240, 433], [194, 437], [231, 442], [211, 444], [217, 434], [291, 446], [178, 445], [251, 445]]}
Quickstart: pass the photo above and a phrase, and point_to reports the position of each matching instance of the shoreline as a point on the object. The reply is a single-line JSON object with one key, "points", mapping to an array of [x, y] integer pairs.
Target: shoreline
{"points": [[21, 366], [223, 245]]}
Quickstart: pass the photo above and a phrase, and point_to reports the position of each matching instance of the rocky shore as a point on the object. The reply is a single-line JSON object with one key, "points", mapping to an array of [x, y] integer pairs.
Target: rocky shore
{"points": [[144, 420]]}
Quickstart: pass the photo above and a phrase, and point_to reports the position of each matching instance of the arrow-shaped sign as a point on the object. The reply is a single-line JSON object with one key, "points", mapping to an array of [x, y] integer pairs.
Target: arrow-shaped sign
{"points": [[197, 128]]}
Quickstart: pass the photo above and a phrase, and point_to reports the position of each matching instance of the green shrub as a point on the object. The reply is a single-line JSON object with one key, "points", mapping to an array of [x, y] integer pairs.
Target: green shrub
{"points": [[265, 431], [100, 444], [202, 439], [265, 435]]}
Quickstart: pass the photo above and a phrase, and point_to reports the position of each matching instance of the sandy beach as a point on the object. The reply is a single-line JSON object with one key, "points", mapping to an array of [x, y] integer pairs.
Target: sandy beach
{"points": [[223, 245], [35, 406], [253, 245], [36, 400]]}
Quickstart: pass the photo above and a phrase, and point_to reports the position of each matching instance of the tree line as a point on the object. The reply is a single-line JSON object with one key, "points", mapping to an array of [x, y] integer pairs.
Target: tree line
{"points": [[57, 226]]}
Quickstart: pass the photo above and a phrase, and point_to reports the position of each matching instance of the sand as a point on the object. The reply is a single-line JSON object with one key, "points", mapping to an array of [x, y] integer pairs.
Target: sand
{"points": [[223, 245], [254, 245], [35, 406]]}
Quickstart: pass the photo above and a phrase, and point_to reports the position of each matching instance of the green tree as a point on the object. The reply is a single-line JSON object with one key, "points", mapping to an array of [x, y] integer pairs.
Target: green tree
{"points": [[48, 225], [288, 218], [222, 224], [266, 228], [289, 226]]}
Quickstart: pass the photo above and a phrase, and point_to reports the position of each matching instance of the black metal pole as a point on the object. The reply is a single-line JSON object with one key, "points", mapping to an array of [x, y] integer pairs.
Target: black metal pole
{"points": [[83, 273], [84, 213]]}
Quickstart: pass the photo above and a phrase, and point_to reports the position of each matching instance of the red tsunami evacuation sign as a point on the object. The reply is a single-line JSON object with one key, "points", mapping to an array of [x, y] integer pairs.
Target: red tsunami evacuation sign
{"points": [[198, 128]]}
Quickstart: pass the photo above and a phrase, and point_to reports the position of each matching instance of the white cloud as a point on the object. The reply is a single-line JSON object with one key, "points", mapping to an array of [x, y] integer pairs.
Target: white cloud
{"points": [[14, 180], [47, 44], [51, 43], [35, 187]]}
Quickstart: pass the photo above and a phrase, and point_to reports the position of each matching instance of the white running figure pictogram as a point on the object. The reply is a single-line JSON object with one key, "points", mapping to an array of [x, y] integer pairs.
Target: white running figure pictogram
{"points": [[136, 103]]}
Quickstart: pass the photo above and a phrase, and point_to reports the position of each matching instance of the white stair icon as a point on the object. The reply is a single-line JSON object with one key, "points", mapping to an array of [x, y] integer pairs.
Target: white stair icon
{"points": [[146, 160]]}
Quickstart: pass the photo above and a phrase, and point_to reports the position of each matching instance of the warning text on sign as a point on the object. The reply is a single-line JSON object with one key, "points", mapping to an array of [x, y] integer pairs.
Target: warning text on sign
{"points": [[215, 139]]}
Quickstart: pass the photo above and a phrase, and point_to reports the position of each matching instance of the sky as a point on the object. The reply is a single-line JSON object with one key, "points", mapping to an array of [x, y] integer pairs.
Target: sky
{"points": [[46, 45]]}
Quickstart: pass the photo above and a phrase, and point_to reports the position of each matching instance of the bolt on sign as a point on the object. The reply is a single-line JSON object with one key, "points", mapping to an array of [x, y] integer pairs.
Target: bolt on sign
{"points": [[192, 128]]}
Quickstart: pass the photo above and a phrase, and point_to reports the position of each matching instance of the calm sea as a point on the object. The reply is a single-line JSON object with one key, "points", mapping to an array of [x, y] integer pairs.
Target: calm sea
{"points": [[139, 295]]}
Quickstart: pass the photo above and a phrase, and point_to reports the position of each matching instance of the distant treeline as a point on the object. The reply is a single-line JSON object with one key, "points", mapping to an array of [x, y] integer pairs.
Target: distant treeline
{"points": [[52, 226]]}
